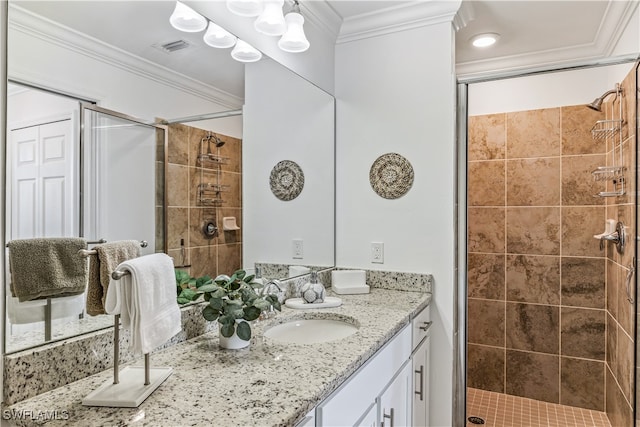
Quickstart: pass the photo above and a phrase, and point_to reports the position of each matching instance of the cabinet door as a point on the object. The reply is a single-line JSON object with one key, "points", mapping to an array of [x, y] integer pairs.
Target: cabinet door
{"points": [[420, 362], [370, 419], [395, 401], [309, 420]]}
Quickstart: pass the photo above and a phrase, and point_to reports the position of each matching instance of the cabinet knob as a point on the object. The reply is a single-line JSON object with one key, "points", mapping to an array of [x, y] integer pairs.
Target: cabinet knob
{"points": [[389, 415], [425, 326]]}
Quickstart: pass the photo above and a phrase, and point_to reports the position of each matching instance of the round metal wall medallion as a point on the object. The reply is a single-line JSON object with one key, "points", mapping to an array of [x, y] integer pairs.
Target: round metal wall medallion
{"points": [[286, 180], [391, 176]]}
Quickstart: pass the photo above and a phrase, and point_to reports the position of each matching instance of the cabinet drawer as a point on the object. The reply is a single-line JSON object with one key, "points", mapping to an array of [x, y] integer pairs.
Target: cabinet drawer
{"points": [[420, 326]]}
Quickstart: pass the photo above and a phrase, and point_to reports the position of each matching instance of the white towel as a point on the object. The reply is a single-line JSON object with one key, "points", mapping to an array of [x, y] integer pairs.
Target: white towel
{"points": [[146, 301]]}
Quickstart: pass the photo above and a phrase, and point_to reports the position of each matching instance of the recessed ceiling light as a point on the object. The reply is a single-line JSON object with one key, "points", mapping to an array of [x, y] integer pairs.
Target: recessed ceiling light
{"points": [[485, 39]]}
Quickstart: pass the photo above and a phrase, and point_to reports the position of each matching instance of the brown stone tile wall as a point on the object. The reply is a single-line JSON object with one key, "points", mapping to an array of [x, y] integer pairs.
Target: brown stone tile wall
{"points": [[538, 303], [186, 215], [621, 313]]}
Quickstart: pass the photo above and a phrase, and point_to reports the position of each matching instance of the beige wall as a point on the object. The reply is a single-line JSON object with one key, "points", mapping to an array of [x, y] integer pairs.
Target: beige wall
{"points": [[186, 215]]}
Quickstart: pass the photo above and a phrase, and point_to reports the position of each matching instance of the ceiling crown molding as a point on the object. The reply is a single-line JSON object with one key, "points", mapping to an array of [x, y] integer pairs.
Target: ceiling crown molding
{"points": [[62, 36], [322, 16], [615, 20], [465, 14], [397, 18]]}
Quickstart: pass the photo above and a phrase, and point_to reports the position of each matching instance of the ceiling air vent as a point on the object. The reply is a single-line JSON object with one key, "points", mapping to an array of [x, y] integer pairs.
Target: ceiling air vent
{"points": [[172, 46]]}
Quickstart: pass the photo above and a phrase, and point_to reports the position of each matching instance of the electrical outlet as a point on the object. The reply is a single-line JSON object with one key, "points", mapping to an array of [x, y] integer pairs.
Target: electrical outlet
{"points": [[377, 252], [298, 249]]}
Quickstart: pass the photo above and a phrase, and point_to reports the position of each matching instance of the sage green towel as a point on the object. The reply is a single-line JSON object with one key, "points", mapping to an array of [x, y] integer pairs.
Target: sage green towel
{"points": [[109, 256], [47, 267]]}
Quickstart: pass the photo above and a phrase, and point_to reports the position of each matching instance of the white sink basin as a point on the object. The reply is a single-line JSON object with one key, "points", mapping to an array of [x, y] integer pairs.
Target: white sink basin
{"points": [[311, 331]]}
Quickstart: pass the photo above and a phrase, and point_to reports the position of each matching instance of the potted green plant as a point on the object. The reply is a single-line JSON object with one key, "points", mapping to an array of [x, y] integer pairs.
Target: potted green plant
{"points": [[232, 301], [188, 286]]}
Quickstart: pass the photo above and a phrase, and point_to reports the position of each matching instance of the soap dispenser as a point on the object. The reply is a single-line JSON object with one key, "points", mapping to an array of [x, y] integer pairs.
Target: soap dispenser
{"points": [[313, 291]]}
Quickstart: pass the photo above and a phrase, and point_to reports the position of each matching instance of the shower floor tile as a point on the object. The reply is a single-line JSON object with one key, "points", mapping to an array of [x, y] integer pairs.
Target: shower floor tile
{"points": [[503, 410]]}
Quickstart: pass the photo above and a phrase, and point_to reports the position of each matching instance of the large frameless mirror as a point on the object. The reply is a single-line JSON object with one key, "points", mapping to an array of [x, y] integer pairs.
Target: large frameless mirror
{"points": [[67, 51]]}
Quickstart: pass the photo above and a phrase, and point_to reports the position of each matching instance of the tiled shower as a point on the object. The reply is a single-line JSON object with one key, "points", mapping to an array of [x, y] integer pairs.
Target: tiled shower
{"points": [[186, 215], [549, 316]]}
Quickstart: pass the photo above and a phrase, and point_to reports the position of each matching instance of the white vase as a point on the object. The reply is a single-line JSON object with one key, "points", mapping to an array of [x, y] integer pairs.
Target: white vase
{"points": [[234, 342]]}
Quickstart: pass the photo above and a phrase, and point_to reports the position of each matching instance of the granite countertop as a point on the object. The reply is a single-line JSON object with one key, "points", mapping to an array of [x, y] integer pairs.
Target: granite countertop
{"points": [[266, 384]]}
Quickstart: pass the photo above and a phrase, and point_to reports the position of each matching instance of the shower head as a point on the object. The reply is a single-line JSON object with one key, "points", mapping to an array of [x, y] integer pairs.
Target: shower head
{"points": [[219, 143], [597, 103]]}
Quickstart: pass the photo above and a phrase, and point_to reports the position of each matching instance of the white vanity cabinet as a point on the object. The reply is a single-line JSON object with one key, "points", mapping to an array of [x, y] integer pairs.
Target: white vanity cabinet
{"points": [[388, 390], [395, 402], [351, 404], [420, 367]]}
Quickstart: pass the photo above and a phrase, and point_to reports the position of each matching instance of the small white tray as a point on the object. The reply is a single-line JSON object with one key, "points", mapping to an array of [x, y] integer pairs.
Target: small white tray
{"points": [[299, 303]]}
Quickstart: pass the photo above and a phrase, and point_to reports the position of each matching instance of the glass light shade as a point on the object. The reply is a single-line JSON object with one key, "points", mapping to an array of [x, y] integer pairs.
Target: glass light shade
{"points": [[271, 21], [186, 19], [216, 36], [294, 39], [244, 52], [246, 8]]}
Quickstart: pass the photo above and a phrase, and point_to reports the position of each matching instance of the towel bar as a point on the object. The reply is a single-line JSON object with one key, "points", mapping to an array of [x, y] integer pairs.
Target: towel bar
{"points": [[88, 252], [92, 242], [127, 394]]}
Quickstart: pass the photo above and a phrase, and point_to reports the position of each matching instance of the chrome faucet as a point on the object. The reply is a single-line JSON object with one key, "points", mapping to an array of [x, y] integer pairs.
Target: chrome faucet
{"points": [[271, 283]]}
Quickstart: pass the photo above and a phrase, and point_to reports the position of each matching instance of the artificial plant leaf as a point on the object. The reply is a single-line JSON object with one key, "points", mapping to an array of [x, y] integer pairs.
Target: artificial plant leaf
{"points": [[183, 300], [249, 279], [188, 294], [235, 285], [261, 304], [218, 293], [251, 313], [227, 329], [204, 280], [182, 277], [210, 313], [216, 303], [221, 279], [244, 331], [209, 287], [240, 274], [226, 319]]}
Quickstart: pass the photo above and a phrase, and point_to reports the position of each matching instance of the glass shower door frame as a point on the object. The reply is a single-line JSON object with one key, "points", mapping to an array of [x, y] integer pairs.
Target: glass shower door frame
{"points": [[84, 108]]}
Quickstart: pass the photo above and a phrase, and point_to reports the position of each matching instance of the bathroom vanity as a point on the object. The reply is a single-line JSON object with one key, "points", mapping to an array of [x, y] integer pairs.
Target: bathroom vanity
{"points": [[355, 379]]}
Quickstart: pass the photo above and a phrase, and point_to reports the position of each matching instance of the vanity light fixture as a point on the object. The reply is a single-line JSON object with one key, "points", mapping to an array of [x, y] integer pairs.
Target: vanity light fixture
{"points": [[186, 19], [271, 21], [218, 37], [246, 8], [244, 52], [294, 40], [485, 39]]}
